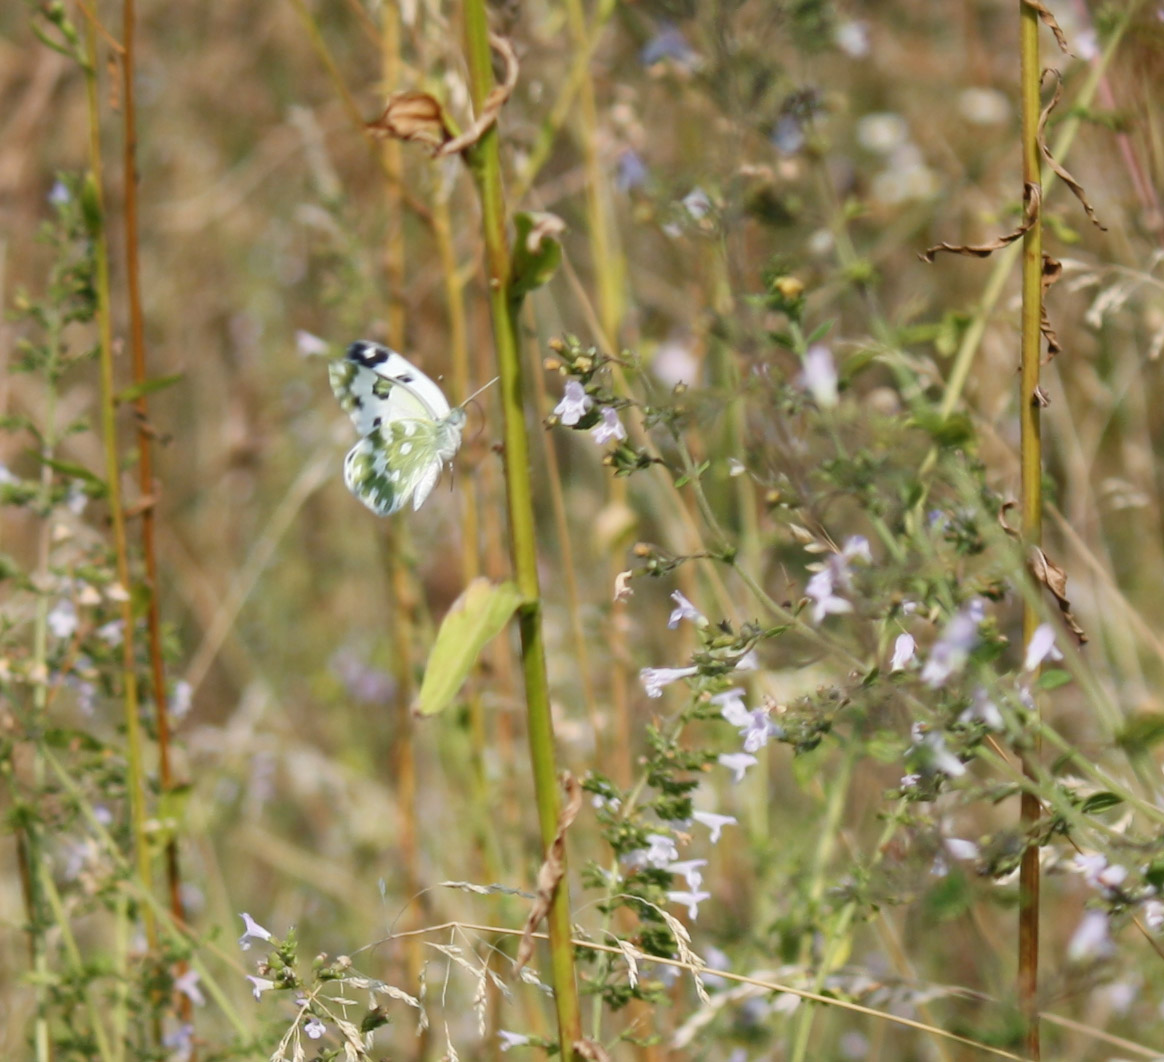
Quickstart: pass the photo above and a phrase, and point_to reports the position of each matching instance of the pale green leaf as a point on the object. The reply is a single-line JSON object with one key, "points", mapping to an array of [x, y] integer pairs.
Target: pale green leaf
{"points": [[477, 616]]}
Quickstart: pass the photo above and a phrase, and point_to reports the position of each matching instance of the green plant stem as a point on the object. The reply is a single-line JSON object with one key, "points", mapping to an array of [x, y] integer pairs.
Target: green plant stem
{"points": [[1032, 508], [135, 780], [486, 166]]}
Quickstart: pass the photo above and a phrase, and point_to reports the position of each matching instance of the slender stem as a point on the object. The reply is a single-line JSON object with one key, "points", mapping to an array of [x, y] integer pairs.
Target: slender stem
{"points": [[486, 165], [135, 779], [1032, 461], [146, 482]]}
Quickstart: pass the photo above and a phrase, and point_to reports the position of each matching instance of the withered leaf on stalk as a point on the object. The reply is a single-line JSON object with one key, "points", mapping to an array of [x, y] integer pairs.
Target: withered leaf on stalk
{"points": [[1031, 200], [552, 869], [1041, 138], [414, 116], [493, 102], [1052, 270], [1054, 578], [591, 1050], [1049, 21]]}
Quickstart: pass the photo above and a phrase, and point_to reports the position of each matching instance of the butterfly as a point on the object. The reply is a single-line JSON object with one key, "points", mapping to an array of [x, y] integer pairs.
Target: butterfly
{"points": [[408, 432]]}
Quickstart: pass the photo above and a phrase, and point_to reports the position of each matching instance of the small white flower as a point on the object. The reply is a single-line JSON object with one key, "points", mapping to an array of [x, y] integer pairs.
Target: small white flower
{"points": [[689, 869], [697, 204], [662, 849], [314, 1028], [684, 609], [952, 649], [961, 849], [1091, 939], [59, 194], [62, 620], [1041, 647], [253, 929], [738, 763], [511, 1039], [309, 345], [574, 404], [758, 729], [259, 985], [732, 707], [857, 548], [852, 38], [904, 649], [714, 822], [655, 678], [609, 427], [691, 899], [820, 375], [1154, 915], [983, 710], [111, 633], [181, 698]]}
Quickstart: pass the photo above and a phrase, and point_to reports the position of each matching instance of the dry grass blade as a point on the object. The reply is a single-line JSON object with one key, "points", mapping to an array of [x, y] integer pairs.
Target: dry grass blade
{"points": [[1059, 169]]}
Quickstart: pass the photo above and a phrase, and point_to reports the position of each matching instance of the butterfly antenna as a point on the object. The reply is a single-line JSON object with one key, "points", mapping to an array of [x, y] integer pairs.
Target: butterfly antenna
{"points": [[480, 389]]}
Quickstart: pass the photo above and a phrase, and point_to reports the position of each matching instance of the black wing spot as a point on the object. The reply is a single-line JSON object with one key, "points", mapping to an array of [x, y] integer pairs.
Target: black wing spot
{"points": [[369, 354]]}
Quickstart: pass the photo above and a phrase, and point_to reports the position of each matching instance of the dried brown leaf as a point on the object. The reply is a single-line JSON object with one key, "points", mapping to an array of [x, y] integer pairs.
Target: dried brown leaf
{"points": [[493, 102], [413, 116], [1048, 20], [552, 869], [1031, 200], [1052, 270], [1061, 170], [1049, 574]]}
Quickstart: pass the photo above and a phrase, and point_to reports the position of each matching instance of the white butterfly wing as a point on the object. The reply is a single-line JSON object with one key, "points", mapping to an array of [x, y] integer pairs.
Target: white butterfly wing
{"points": [[376, 385]]}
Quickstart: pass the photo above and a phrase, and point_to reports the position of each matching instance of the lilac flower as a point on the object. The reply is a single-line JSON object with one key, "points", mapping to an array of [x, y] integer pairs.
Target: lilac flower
{"points": [[738, 763], [260, 985], [787, 134], [983, 710], [1091, 939], [732, 707], [825, 602], [669, 43], [857, 548], [655, 678], [714, 822], [187, 984], [181, 698], [180, 1042], [112, 633], [610, 427], [1099, 874], [691, 899], [511, 1039], [253, 929], [684, 609], [574, 404], [314, 1028], [309, 345], [930, 748], [952, 649], [852, 38], [632, 172], [820, 375], [904, 649], [662, 849], [758, 729], [62, 620], [961, 849], [1154, 915], [689, 869], [1041, 647], [59, 194], [361, 681], [697, 203]]}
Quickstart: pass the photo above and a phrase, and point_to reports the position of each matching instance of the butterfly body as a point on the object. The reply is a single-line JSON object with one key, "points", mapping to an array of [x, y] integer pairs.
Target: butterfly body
{"points": [[408, 432]]}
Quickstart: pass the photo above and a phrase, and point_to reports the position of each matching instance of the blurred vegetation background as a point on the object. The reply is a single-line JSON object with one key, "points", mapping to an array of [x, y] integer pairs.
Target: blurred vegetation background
{"points": [[695, 152]]}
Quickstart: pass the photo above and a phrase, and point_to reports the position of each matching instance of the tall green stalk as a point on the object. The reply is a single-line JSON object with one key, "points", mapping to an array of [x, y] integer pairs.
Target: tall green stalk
{"points": [[486, 167], [1032, 506]]}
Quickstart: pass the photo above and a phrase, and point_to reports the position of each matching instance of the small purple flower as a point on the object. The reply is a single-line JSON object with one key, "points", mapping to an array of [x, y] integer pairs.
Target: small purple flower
{"points": [[825, 602], [952, 649], [714, 822], [632, 171], [511, 1039], [309, 345], [59, 194], [903, 652], [609, 427], [691, 899], [758, 729], [259, 985], [685, 610], [1041, 647], [820, 376], [655, 678], [187, 984], [1092, 939], [787, 134], [983, 710], [732, 708], [253, 929], [574, 404], [669, 43], [662, 849], [689, 870], [314, 1028], [62, 620], [738, 763], [697, 203]]}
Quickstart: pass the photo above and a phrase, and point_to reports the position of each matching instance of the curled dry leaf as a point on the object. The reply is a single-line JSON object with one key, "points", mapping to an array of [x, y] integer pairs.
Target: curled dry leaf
{"points": [[1049, 21], [1052, 270], [545, 226], [552, 869], [1054, 578], [1041, 138], [493, 102], [1032, 199], [414, 116]]}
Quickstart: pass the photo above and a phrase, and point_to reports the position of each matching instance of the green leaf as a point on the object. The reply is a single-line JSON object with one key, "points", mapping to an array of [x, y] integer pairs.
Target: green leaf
{"points": [[1101, 802], [68, 468], [477, 616], [1141, 732], [146, 387], [536, 251], [1053, 679]]}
